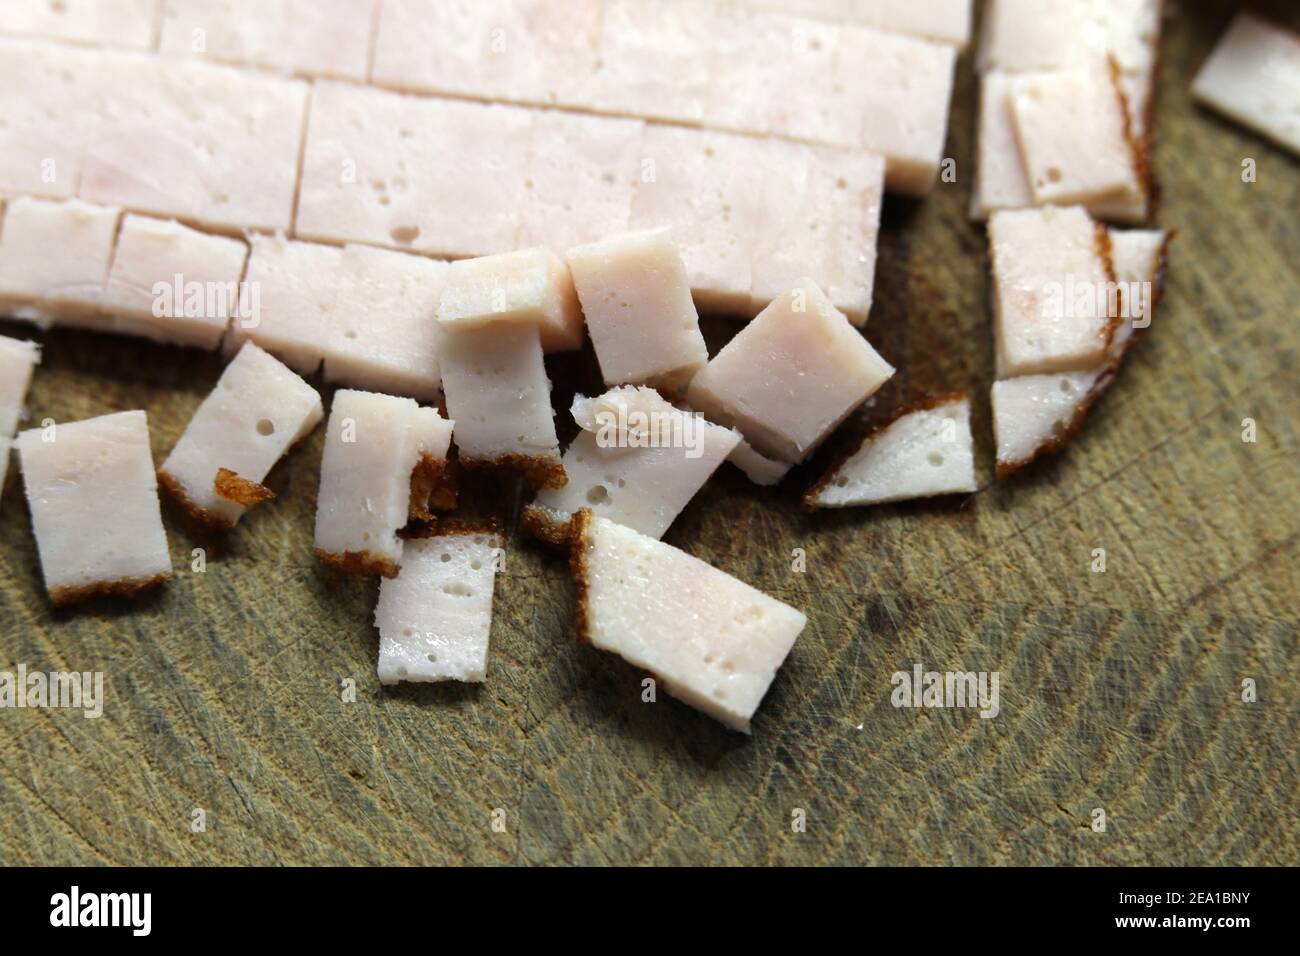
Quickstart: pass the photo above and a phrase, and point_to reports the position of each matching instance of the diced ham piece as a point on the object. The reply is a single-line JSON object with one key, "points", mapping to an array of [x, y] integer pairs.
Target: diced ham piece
{"points": [[704, 186], [582, 173], [492, 315], [1000, 178], [638, 460], [257, 412], [435, 617], [1253, 77], [54, 259], [902, 89], [531, 287], [1052, 280], [307, 37], [636, 297], [1074, 139], [923, 451], [819, 217], [18, 360], [130, 24], [382, 338], [497, 391], [94, 503], [791, 376], [288, 300], [172, 283], [711, 640], [440, 177], [1035, 415], [365, 312], [373, 444], [1039, 414]]}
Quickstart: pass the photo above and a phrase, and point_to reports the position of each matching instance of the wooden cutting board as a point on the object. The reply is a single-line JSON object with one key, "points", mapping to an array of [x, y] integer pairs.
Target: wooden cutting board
{"points": [[1119, 691]]}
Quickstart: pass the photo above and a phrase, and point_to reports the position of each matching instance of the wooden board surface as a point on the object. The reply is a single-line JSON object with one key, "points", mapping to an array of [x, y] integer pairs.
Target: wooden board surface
{"points": [[1119, 690]]}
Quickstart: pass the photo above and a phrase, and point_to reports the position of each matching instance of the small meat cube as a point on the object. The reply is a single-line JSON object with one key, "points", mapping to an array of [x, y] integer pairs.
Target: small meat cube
{"points": [[820, 218], [383, 338], [531, 286], [288, 302], [54, 259], [498, 393], [790, 376], [582, 172], [172, 283], [710, 640], [257, 412], [638, 460], [923, 451], [1038, 414], [171, 137], [440, 177], [636, 297], [43, 103], [1253, 77], [1000, 178], [18, 360], [307, 37], [373, 445], [1074, 138], [1052, 284], [708, 188], [655, 60], [902, 89], [435, 617], [94, 503]]}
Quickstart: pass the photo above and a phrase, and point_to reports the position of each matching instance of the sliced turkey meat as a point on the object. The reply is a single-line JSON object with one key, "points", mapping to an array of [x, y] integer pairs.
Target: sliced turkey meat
{"points": [[711, 640]]}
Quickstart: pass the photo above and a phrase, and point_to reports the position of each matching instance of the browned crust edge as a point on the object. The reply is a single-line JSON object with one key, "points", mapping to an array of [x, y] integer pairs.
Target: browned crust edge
{"points": [[357, 564], [424, 479], [538, 523], [578, 529], [1105, 250], [127, 587], [241, 491], [200, 518], [1140, 147], [1064, 436], [537, 471], [455, 527], [919, 403]]}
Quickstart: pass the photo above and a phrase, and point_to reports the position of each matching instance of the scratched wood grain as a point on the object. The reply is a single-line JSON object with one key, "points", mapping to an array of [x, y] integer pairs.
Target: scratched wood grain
{"points": [[1119, 690]]}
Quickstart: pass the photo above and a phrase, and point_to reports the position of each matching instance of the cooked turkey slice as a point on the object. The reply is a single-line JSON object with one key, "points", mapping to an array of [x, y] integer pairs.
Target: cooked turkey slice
{"points": [[94, 503], [712, 641], [638, 461], [924, 451], [435, 617], [258, 410]]}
